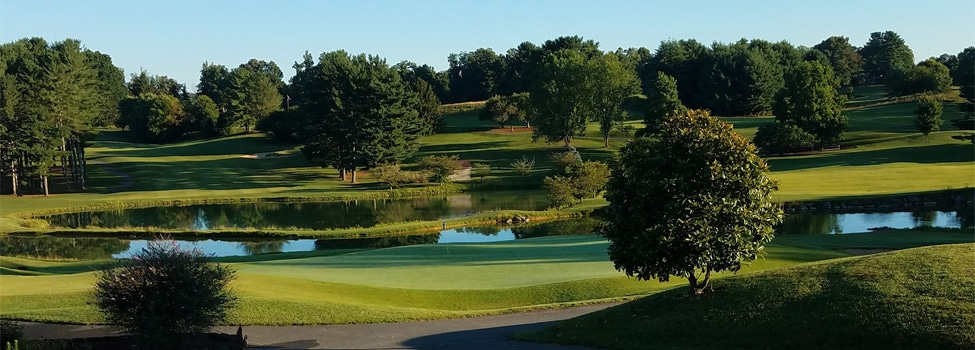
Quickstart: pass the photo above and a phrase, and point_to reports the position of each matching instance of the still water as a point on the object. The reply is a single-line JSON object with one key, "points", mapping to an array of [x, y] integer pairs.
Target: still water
{"points": [[311, 216], [102, 248], [802, 223]]}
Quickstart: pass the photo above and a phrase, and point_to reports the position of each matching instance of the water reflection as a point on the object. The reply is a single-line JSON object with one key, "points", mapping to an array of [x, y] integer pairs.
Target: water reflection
{"points": [[824, 223], [315, 216], [49, 247], [805, 223]]}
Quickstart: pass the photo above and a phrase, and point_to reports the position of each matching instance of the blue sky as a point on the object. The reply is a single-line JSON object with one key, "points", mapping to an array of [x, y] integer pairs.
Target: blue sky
{"points": [[174, 38]]}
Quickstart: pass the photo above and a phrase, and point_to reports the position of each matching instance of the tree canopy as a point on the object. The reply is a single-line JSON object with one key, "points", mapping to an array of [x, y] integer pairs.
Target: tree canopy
{"points": [[810, 100], [357, 113], [693, 200]]}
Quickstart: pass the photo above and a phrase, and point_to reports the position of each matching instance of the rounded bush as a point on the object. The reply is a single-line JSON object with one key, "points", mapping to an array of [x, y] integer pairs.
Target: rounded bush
{"points": [[165, 291]]}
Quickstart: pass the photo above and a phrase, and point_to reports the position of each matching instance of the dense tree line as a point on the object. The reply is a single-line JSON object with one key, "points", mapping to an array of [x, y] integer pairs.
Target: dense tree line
{"points": [[51, 96], [353, 111]]}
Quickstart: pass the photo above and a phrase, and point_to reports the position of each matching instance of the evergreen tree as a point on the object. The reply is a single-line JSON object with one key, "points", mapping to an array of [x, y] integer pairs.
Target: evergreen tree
{"points": [[662, 102], [358, 114], [885, 53]]}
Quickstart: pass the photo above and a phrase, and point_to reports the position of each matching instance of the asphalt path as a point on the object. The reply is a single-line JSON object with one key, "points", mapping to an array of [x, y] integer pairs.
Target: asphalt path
{"points": [[488, 332]]}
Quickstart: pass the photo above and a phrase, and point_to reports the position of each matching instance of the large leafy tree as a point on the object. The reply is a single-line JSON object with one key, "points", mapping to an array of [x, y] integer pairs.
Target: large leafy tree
{"points": [[692, 201], [662, 102], [519, 65], [358, 113], [810, 101], [929, 76], [214, 83], [885, 53], [252, 96], [110, 83], [965, 79], [612, 82], [473, 75], [843, 58], [562, 96]]}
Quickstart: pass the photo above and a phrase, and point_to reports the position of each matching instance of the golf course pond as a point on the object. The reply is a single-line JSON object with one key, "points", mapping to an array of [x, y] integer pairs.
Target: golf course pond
{"points": [[101, 247], [303, 216]]}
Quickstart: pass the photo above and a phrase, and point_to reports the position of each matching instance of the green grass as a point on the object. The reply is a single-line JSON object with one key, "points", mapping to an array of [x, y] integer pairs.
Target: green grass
{"points": [[912, 299], [415, 282]]}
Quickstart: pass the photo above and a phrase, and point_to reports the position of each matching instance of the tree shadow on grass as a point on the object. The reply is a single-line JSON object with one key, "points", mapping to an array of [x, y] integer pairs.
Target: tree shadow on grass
{"points": [[485, 338], [928, 154]]}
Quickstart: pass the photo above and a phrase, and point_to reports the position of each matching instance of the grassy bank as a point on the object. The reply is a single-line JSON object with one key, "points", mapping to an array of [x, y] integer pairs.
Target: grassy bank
{"points": [[414, 282], [912, 299]]}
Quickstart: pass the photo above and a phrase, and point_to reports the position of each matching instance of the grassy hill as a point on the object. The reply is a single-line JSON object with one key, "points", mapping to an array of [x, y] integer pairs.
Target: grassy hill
{"points": [[912, 299]]}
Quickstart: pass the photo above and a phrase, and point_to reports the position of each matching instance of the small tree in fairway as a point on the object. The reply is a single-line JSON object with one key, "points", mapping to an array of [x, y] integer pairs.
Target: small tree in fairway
{"points": [[694, 200], [928, 116]]}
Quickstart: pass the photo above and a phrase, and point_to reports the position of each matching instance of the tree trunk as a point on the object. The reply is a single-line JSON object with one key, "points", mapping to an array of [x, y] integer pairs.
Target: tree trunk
{"points": [[568, 140], [699, 287], [13, 176], [83, 165], [605, 141], [353, 175], [512, 127], [45, 186], [342, 173], [529, 124]]}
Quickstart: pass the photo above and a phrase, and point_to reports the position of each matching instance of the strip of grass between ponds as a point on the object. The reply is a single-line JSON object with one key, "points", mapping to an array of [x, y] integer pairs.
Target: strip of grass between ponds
{"points": [[401, 228]]}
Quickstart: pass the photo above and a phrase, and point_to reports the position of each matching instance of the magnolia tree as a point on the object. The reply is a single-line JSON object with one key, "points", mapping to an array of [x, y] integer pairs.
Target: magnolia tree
{"points": [[692, 201]]}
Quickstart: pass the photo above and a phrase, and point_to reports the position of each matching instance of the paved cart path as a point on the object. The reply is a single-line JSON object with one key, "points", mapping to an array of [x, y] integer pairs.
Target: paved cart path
{"points": [[488, 332]]}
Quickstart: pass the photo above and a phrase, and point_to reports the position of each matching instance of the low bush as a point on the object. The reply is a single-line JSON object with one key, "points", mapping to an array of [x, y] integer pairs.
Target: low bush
{"points": [[163, 292], [778, 138], [523, 166]]}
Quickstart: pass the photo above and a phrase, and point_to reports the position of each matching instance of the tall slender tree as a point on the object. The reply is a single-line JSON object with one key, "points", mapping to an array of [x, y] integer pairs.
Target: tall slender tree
{"points": [[612, 82]]}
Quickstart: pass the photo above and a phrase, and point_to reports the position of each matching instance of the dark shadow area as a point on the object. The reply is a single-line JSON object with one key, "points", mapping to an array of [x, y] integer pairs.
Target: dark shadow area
{"points": [[244, 144], [929, 154], [297, 344], [462, 147], [484, 338]]}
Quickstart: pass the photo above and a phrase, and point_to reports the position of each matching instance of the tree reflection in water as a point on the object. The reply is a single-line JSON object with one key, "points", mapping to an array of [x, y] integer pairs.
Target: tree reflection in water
{"points": [[49, 247]]}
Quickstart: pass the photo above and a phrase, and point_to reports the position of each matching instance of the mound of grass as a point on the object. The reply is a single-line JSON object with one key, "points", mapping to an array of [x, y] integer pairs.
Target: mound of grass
{"points": [[911, 299]]}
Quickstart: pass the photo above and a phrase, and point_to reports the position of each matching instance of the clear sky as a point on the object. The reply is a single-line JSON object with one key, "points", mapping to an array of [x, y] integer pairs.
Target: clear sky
{"points": [[174, 38]]}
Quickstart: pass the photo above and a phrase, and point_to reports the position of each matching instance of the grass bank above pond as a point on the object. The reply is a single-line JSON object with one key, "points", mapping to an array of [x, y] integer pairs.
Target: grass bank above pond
{"points": [[912, 299], [414, 282]]}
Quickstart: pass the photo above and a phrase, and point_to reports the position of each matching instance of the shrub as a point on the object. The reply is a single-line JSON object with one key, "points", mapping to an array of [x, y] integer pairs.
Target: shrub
{"points": [[391, 175], [10, 331], [523, 166], [588, 178], [778, 138], [560, 192], [440, 167], [164, 291], [562, 161], [480, 170]]}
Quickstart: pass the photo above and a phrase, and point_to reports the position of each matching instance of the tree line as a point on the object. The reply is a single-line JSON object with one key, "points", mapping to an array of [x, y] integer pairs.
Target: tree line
{"points": [[354, 111]]}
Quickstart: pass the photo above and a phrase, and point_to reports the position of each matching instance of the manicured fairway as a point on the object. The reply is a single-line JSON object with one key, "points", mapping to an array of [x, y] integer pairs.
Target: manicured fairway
{"points": [[420, 282]]}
